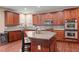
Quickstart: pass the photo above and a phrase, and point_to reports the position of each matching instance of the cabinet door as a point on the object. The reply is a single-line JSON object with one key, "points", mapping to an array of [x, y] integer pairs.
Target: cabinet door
{"points": [[77, 13], [39, 45], [14, 35], [8, 18], [67, 14], [38, 19], [54, 18], [74, 47], [71, 13], [18, 33], [35, 19], [42, 18], [63, 47], [11, 36], [60, 18], [59, 34], [16, 19], [48, 16]]}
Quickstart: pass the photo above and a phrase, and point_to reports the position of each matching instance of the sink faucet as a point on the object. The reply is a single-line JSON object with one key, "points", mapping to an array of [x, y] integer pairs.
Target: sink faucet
{"points": [[38, 29]]}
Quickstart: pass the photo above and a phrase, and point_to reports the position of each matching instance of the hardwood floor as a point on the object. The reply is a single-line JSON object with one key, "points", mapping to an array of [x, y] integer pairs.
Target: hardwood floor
{"points": [[61, 47], [11, 47]]}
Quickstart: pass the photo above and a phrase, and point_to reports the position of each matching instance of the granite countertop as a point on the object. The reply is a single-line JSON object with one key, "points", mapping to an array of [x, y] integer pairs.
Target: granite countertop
{"points": [[27, 28], [42, 35], [33, 28]]}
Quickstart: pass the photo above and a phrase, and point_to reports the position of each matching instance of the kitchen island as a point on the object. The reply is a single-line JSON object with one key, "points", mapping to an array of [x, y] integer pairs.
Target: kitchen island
{"points": [[42, 42]]}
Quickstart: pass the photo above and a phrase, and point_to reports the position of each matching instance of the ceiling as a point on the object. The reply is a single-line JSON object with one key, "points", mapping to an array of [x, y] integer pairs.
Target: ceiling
{"points": [[37, 9]]}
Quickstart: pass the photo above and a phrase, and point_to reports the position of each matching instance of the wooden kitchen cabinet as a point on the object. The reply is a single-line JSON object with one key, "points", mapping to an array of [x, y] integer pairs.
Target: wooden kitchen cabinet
{"points": [[39, 19], [63, 47], [48, 16], [77, 14], [45, 47], [16, 19], [59, 34], [67, 14], [70, 13], [74, 47], [42, 18], [14, 35], [8, 18], [54, 18], [11, 36], [11, 18], [73, 13], [67, 46], [36, 43], [58, 18], [35, 19]]}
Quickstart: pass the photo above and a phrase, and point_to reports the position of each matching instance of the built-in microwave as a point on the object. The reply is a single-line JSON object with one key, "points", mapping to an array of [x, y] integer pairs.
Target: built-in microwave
{"points": [[71, 34], [48, 22], [71, 25]]}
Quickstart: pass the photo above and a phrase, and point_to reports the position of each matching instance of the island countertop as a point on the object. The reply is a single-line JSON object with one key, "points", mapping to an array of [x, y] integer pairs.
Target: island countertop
{"points": [[42, 35]]}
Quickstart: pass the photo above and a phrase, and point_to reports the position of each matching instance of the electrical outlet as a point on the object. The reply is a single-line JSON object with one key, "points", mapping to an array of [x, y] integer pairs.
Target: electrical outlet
{"points": [[39, 47]]}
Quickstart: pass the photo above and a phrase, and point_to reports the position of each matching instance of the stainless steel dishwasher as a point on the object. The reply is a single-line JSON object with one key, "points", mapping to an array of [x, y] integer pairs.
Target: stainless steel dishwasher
{"points": [[4, 38]]}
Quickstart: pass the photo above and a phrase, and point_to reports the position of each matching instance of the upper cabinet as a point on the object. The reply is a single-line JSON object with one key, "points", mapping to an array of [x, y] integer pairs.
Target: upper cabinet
{"points": [[67, 14], [48, 16], [70, 13], [11, 18], [38, 19], [35, 19], [8, 18], [58, 18], [54, 18], [16, 19]]}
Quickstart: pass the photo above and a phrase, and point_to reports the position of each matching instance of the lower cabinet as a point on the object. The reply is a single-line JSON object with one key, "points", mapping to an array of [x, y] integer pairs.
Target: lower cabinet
{"points": [[67, 46], [42, 45], [59, 34], [63, 47], [38, 45], [14, 35]]}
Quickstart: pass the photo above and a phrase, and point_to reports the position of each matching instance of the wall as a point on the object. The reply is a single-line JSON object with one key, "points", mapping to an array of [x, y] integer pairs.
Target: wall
{"points": [[2, 22]]}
